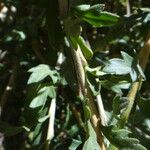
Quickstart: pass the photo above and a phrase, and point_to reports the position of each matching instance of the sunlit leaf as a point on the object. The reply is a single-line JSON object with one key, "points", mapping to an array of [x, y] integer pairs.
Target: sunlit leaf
{"points": [[40, 72], [97, 71], [91, 142], [127, 65], [115, 86], [43, 94], [74, 145], [95, 15], [120, 138], [117, 66], [88, 53], [43, 118]]}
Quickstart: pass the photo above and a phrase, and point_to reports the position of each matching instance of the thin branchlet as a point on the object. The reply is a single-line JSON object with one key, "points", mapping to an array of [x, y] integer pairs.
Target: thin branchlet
{"points": [[135, 87], [83, 90]]}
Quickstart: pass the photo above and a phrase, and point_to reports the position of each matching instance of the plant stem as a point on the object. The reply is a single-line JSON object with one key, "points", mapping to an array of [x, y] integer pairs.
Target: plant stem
{"points": [[77, 116], [85, 91], [101, 110], [63, 7], [9, 86], [128, 9], [131, 97], [50, 131], [135, 87], [79, 71]]}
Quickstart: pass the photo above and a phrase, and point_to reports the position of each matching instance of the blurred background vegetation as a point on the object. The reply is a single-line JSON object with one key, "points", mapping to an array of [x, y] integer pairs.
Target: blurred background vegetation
{"points": [[32, 33]]}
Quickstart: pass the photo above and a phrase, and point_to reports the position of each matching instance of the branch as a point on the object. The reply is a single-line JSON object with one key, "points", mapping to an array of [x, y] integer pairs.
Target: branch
{"points": [[50, 131], [79, 71], [96, 120], [60, 60], [63, 7], [135, 87], [52, 109], [77, 116], [101, 110], [85, 91], [9, 87], [128, 8], [144, 53]]}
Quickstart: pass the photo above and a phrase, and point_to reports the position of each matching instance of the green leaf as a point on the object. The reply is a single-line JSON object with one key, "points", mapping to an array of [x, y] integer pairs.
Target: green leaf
{"points": [[127, 65], [104, 19], [73, 130], [43, 94], [82, 8], [93, 80], [88, 53], [135, 67], [73, 42], [87, 112], [95, 71], [146, 9], [94, 86], [139, 147], [21, 35], [130, 61], [91, 142], [115, 86], [120, 85], [95, 15], [74, 145], [40, 72], [117, 66], [119, 138], [72, 27], [127, 58], [43, 118], [36, 135]]}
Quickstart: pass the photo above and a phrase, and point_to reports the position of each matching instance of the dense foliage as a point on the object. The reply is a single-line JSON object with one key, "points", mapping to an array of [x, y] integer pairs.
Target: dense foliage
{"points": [[75, 74]]}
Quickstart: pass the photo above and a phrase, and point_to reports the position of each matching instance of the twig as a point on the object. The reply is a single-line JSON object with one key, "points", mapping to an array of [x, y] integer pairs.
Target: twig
{"points": [[77, 116], [101, 110], [144, 53], [79, 71], [7, 93], [95, 119], [52, 109], [9, 87], [85, 91], [128, 8], [135, 87], [131, 97], [50, 131], [60, 60], [63, 7]]}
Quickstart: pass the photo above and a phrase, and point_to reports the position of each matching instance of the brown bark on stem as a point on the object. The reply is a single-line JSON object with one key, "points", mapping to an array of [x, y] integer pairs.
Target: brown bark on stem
{"points": [[83, 90], [9, 87]]}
